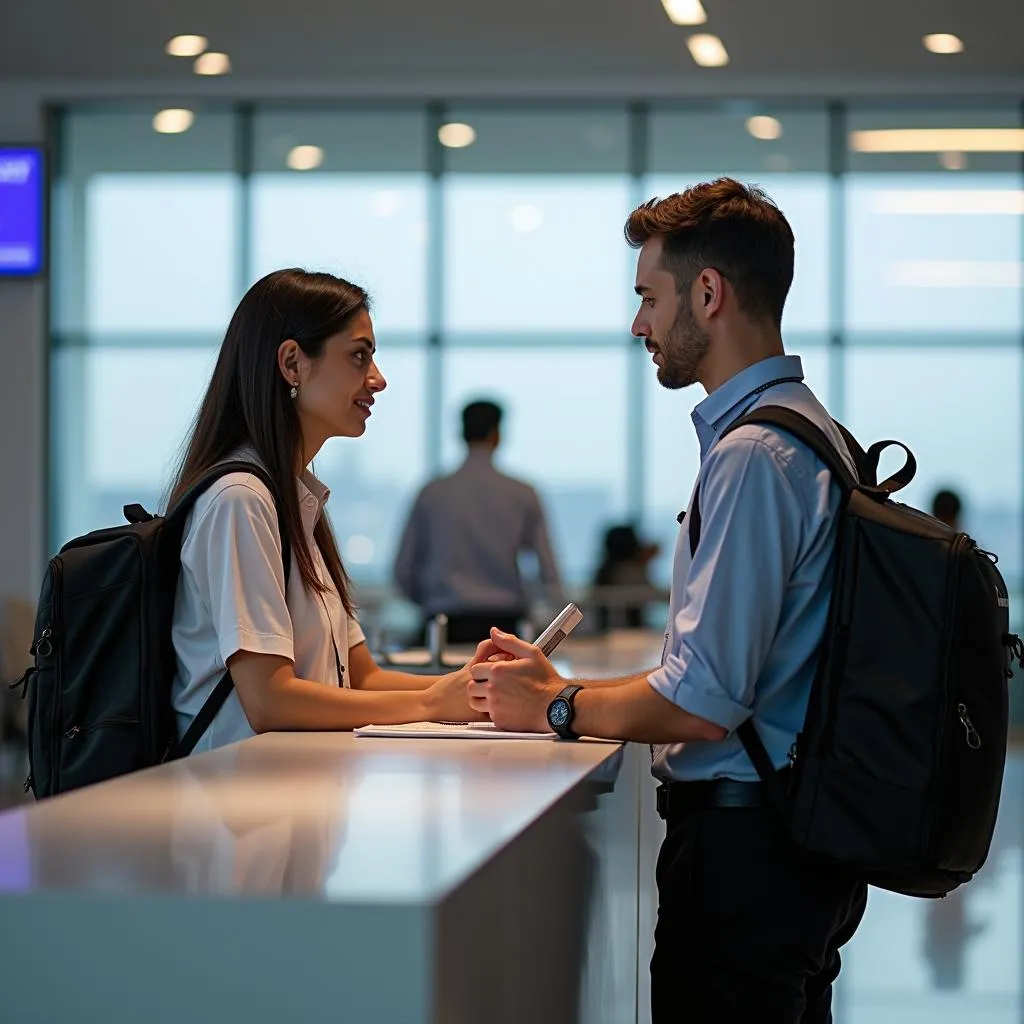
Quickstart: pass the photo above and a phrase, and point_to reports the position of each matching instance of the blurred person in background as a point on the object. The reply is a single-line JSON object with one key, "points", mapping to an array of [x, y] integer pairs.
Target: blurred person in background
{"points": [[948, 508], [622, 586], [459, 553]]}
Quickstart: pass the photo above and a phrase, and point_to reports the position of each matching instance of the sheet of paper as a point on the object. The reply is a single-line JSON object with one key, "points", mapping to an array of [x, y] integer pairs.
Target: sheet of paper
{"points": [[450, 731]]}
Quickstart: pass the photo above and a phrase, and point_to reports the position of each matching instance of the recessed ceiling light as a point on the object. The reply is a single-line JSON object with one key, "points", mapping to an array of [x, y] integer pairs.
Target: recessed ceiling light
{"points": [[938, 140], [764, 127], [685, 12], [173, 121], [953, 161], [943, 42], [186, 46], [456, 135], [305, 158], [707, 50], [212, 63]]}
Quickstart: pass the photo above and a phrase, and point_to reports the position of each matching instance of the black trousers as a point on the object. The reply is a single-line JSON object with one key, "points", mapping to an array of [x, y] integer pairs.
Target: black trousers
{"points": [[472, 628], [747, 931]]}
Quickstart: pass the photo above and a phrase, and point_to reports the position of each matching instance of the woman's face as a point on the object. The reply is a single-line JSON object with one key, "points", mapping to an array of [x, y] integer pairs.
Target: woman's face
{"points": [[337, 390]]}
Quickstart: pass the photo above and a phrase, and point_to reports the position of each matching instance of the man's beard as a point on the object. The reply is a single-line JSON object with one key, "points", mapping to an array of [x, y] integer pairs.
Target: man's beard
{"points": [[682, 351]]}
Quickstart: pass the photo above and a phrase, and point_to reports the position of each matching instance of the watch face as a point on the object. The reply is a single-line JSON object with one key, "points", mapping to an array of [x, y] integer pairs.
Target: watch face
{"points": [[558, 714]]}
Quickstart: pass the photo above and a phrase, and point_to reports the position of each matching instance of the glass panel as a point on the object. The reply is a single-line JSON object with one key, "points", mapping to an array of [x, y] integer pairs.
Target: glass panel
{"points": [[361, 213], [934, 238], [370, 229], [672, 454], [533, 215], [564, 432], [121, 415], [537, 252], [148, 224], [959, 412]]}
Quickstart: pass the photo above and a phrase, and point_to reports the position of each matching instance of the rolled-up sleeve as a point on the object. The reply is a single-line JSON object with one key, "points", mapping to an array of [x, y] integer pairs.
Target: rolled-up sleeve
{"points": [[729, 610], [233, 552]]}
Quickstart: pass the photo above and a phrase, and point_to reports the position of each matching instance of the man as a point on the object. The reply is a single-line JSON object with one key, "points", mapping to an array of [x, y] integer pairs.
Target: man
{"points": [[746, 931], [460, 549]]}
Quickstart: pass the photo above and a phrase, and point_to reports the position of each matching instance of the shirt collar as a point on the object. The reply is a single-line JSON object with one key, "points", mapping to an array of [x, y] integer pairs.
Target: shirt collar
{"points": [[728, 402], [313, 495]]}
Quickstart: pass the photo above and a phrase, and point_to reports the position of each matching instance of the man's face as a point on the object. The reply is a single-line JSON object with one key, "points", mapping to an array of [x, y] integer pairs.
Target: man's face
{"points": [[666, 322]]}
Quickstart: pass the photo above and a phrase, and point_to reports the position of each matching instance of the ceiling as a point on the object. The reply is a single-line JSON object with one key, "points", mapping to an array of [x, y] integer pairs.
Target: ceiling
{"points": [[613, 47]]}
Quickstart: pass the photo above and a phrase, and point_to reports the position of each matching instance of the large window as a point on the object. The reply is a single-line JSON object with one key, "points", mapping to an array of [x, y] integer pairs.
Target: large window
{"points": [[498, 268]]}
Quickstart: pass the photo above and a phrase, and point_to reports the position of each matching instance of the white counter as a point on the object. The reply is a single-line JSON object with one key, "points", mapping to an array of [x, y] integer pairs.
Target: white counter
{"points": [[316, 877]]}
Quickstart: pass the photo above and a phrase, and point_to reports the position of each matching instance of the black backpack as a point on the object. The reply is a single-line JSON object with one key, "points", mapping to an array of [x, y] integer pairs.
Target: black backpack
{"points": [[100, 689], [897, 772]]}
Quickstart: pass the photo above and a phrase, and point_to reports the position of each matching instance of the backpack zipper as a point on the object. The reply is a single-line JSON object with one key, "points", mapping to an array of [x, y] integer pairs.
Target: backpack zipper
{"points": [[110, 722], [960, 544], [973, 739]]}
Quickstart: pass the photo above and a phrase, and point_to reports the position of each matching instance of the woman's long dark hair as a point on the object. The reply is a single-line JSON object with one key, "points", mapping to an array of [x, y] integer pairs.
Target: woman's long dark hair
{"points": [[248, 401]]}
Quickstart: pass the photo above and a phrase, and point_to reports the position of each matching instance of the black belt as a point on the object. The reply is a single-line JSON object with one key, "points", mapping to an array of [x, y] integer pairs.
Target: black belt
{"points": [[677, 798]]}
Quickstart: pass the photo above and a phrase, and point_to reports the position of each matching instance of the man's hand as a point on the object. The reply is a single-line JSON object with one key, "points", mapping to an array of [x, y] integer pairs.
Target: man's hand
{"points": [[513, 682]]}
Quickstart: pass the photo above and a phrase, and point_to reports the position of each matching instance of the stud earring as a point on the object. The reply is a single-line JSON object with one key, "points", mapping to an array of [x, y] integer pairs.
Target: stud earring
{"points": [[294, 391]]}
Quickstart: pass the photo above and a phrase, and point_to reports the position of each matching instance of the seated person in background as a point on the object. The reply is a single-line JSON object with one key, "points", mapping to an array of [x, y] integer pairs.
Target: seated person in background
{"points": [[459, 553], [947, 507], [624, 569], [296, 367]]}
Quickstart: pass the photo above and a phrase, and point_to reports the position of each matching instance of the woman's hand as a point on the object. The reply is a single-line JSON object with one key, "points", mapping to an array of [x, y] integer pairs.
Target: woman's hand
{"points": [[446, 699]]}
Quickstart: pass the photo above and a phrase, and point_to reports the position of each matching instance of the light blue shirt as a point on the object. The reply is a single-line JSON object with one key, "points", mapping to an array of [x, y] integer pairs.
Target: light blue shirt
{"points": [[747, 615]]}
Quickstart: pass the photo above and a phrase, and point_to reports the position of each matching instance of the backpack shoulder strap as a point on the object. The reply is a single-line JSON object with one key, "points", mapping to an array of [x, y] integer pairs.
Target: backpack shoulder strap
{"points": [[804, 430], [178, 514]]}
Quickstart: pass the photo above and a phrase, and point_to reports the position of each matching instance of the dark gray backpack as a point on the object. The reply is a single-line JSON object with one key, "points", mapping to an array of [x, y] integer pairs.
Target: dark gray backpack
{"points": [[897, 772], [100, 690]]}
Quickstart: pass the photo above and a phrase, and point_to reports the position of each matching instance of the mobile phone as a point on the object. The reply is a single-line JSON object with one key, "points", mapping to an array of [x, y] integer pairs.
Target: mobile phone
{"points": [[559, 628]]}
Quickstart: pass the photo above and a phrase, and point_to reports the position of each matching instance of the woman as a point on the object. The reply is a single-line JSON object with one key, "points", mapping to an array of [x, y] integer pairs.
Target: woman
{"points": [[296, 367]]}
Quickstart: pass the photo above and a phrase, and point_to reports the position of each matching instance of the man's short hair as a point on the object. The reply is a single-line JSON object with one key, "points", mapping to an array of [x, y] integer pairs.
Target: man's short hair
{"points": [[730, 227], [480, 420]]}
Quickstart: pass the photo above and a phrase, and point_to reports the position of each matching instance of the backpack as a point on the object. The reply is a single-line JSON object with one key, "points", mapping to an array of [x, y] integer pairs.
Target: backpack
{"points": [[896, 775], [100, 690]]}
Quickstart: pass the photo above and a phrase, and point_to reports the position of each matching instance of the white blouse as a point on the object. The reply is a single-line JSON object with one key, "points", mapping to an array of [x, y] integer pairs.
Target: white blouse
{"points": [[231, 597]]}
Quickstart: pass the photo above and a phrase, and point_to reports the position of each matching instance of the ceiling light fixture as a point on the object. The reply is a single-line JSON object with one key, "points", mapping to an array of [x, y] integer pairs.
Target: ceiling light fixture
{"points": [[931, 202], [212, 64], [685, 12], [761, 126], [173, 121], [943, 42], [707, 50], [956, 274], [938, 140], [456, 135], [186, 46], [305, 158]]}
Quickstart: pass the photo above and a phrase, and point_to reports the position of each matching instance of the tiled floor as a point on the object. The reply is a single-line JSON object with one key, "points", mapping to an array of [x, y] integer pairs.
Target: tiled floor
{"points": [[954, 961]]}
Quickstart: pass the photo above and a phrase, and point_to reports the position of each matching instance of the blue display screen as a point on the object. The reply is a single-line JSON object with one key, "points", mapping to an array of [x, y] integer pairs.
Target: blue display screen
{"points": [[21, 210]]}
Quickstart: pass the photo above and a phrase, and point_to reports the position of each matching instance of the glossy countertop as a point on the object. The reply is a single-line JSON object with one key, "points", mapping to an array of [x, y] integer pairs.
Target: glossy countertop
{"points": [[320, 816]]}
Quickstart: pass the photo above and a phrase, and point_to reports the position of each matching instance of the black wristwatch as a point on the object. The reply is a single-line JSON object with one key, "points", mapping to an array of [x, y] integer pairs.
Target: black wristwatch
{"points": [[562, 710]]}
